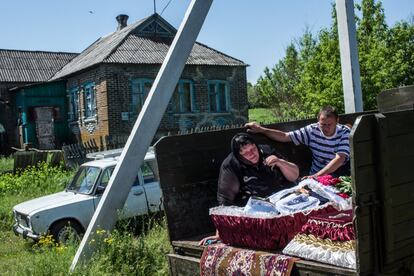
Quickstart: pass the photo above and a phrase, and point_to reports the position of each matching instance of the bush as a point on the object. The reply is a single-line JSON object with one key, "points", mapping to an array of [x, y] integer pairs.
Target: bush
{"points": [[121, 252], [30, 183]]}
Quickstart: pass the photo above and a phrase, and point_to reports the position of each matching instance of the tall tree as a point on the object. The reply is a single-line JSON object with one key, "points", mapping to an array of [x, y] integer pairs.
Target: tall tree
{"points": [[309, 76]]}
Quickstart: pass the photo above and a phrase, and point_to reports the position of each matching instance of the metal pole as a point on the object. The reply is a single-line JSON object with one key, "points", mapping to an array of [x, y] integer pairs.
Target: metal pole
{"points": [[145, 128], [349, 56]]}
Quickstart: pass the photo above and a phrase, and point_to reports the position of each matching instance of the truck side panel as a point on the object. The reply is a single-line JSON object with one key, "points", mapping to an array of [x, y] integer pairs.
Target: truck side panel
{"points": [[365, 199], [396, 147]]}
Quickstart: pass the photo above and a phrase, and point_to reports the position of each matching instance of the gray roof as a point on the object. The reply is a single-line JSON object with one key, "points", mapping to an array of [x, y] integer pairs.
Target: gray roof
{"points": [[134, 44], [31, 66]]}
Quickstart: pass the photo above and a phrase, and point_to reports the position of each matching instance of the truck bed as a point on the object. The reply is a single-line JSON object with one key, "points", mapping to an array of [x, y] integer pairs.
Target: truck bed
{"points": [[187, 253], [382, 154]]}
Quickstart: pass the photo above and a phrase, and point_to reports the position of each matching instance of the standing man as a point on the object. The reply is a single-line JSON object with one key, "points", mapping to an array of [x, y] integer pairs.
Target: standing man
{"points": [[327, 139]]}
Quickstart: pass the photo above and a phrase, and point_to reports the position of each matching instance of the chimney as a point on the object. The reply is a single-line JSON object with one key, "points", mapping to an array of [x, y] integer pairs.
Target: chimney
{"points": [[122, 21]]}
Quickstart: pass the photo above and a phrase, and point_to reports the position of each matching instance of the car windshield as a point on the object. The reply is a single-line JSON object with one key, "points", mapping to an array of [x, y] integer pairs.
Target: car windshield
{"points": [[84, 180]]}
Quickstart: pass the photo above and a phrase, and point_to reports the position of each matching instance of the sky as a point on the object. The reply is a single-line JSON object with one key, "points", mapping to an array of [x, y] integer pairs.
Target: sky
{"points": [[256, 32]]}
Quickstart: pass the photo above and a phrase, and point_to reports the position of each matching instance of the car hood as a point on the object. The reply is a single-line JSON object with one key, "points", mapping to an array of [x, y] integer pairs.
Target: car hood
{"points": [[50, 201]]}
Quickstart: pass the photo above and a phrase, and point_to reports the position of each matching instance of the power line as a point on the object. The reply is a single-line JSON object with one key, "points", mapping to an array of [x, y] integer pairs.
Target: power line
{"points": [[165, 7]]}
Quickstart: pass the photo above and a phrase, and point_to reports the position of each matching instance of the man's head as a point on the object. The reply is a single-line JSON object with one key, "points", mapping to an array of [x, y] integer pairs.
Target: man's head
{"points": [[245, 148], [328, 119]]}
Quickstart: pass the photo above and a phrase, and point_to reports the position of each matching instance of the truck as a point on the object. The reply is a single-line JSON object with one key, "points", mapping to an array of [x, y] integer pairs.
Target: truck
{"points": [[68, 213], [382, 158]]}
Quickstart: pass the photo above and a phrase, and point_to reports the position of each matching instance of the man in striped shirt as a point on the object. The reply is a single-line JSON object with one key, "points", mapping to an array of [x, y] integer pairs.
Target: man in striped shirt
{"points": [[328, 141]]}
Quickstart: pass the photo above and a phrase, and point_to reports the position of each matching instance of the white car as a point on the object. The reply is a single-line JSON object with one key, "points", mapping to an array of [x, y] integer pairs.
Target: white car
{"points": [[71, 210]]}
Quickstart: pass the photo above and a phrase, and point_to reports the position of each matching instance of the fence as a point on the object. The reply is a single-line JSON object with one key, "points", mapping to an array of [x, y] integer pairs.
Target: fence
{"points": [[75, 154], [31, 157]]}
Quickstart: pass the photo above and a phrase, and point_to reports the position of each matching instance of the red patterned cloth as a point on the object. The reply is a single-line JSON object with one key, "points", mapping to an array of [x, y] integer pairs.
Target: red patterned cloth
{"points": [[265, 233], [327, 238], [336, 226], [220, 259]]}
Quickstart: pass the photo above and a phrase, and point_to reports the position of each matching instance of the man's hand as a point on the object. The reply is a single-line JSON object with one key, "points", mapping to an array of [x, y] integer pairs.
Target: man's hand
{"points": [[253, 127], [313, 176], [209, 240], [271, 161]]}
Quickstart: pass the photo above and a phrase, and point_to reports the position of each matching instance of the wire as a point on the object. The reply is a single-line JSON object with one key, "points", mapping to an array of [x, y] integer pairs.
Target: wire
{"points": [[165, 7]]}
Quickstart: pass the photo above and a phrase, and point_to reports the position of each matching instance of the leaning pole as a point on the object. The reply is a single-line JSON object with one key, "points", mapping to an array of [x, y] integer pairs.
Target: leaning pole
{"points": [[348, 46], [144, 129]]}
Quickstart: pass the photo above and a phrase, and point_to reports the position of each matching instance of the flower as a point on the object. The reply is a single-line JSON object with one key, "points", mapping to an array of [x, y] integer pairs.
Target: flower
{"points": [[342, 184]]}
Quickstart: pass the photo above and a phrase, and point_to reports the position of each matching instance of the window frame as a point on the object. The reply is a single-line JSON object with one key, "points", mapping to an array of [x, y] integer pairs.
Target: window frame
{"points": [[73, 95], [91, 113], [179, 89], [141, 94], [216, 95]]}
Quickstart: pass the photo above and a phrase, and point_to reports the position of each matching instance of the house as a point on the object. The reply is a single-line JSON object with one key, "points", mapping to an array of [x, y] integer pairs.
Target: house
{"points": [[20, 69], [55, 96], [108, 82]]}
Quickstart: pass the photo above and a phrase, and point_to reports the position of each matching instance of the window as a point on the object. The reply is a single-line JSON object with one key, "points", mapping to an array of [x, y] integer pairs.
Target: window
{"points": [[106, 176], [149, 172], [84, 180], [218, 95], [73, 113], [140, 89], [89, 100], [183, 97]]}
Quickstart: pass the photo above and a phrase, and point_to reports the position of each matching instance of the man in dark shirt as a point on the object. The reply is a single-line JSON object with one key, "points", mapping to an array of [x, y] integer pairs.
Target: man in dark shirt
{"points": [[252, 170]]}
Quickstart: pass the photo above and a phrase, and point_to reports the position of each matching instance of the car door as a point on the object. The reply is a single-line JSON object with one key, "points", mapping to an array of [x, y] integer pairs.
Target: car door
{"points": [[151, 184], [136, 203]]}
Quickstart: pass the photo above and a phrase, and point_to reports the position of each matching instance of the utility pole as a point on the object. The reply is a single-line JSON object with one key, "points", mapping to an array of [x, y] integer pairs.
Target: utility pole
{"points": [[144, 129], [348, 45]]}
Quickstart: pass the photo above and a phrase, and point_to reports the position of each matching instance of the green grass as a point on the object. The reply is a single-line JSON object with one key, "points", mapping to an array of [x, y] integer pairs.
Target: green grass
{"points": [[120, 252], [6, 164], [262, 115]]}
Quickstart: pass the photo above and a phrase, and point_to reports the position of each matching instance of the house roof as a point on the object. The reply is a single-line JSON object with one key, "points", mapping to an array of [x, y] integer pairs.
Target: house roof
{"points": [[144, 42], [31, 66]]}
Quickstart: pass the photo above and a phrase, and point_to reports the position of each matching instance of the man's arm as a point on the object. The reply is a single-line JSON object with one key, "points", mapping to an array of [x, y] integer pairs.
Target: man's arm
{"points": [[273, 134], [228, 186], [288, 169], [332, 166]]}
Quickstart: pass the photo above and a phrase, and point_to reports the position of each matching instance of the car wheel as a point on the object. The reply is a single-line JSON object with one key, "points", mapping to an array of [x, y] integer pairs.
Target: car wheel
{"points": [[66, 230]]}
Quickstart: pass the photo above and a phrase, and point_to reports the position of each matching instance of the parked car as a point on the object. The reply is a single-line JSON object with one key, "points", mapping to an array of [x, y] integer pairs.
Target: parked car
{"points": [[71, 210]]}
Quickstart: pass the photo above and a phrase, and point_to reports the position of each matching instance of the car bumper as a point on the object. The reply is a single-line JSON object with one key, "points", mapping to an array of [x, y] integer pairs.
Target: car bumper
{"points": [[20, 231]]}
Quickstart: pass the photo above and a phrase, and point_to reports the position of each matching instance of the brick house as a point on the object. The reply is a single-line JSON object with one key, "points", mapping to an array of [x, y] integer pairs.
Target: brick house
{"points": [[108, 82], [19, 69]]}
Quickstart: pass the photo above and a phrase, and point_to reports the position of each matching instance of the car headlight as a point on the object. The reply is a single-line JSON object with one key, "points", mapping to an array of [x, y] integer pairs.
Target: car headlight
{"points": [[22, 219], [15, 216], [29, 222]]}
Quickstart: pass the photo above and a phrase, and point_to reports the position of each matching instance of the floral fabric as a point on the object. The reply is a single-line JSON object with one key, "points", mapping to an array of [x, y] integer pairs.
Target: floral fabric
{"points": [[220, 259]]}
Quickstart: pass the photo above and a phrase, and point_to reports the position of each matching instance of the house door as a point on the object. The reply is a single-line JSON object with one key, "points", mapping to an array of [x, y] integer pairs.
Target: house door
{"points": [[45, 127]]}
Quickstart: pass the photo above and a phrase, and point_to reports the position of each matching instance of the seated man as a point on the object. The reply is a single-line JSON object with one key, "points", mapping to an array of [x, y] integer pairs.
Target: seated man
{"points": [[252, 170]]}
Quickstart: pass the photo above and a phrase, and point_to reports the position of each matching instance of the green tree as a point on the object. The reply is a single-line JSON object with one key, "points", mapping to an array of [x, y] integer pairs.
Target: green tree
{"points": [[309, 76], [372, 32], [253, 97]]}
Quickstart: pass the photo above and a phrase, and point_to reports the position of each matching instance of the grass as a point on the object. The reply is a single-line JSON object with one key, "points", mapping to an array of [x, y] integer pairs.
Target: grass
{"points": [[121, 252], [6, 164], [262, 115]]}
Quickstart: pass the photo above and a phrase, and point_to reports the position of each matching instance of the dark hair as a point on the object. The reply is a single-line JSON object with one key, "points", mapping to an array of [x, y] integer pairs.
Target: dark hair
{"points": [[328, 111], [239, 140]]}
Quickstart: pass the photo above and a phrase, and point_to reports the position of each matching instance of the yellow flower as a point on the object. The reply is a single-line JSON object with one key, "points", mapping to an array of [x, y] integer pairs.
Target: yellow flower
{"points": [[108, 240]]}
